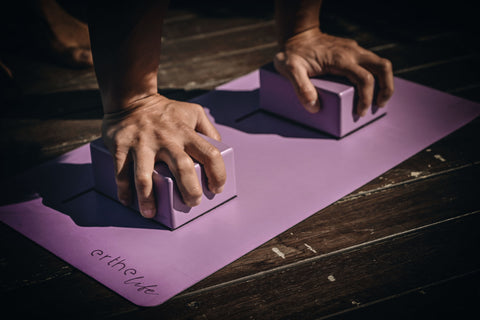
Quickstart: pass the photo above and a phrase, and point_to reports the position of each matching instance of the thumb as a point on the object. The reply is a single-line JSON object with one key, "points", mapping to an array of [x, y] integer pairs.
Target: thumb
{"points": [[306, 92]]}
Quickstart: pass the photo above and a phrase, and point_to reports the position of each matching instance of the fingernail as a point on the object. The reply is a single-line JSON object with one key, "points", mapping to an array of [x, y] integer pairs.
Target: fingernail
{"points": [[362, 112], [148, 213], [313, 106], [217, 190], [195, 202]]}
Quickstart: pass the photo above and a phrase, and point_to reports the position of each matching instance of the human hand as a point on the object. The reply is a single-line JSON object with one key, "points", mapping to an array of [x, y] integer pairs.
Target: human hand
{"points": [[159, 129], [313, 53]]}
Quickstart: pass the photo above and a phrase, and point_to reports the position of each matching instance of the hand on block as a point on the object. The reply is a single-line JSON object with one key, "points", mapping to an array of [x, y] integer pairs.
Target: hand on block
{"points": [[337, 116], [171, 211]]}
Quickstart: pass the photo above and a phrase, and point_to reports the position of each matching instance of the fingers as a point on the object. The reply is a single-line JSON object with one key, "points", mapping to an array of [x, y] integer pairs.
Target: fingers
{"points": [[383, 71], [294, 71], [363, 81], [212, 161], [122, 178], [205, 126], [166, 133], [370, 68], [305, 90], [182, 168], [144, 162], [323, 54], [363, 74]]}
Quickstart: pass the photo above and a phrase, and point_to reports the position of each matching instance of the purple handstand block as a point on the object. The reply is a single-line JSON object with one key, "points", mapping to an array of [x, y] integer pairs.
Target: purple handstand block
{"points": [[337, 116], [171, 210]]}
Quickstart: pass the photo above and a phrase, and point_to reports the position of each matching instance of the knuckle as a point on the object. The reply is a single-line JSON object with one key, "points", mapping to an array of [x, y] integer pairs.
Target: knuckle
{"points": [[183, 127], [385, 65], [366, 78], [143, 181], [340, 58], [292, 64], [119, 154], [351, 43], [280, 57], [212, 153], [118, 139], [198, 108], [183, 165]]}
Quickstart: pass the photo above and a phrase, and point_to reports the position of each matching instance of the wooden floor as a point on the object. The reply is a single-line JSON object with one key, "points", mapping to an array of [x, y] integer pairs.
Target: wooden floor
{"points": [[404, 246]]}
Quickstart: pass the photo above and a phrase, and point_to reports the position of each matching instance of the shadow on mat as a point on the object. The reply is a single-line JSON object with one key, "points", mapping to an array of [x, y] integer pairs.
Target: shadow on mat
{"points": [[68, 188], [239, 110]]}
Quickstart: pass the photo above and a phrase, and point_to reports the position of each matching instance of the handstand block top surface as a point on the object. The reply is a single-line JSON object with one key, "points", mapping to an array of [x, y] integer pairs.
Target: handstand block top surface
{"points": [[171, 210], [337, 115]]}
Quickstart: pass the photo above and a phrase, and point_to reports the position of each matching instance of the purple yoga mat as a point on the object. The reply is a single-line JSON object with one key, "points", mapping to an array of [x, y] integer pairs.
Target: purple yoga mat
{"points": [[285, 173]]}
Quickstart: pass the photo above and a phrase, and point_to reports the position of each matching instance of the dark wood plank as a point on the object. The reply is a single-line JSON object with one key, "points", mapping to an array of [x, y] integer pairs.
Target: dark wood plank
{"points": [[427, 51], [188, 37], [454, 151], [471, 91], [460, 294], [201, 29], [26, 263], [384, 244], [213, 46], [208, 22], [406, 20], [439, 162], [445, 75], [28, 142], [340, 281], [74, 296], [356, 220], [208, 74], [346, 225]]}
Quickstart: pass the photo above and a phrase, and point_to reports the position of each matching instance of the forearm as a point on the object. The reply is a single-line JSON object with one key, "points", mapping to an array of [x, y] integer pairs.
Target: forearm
{"points": [[126, 42], [293, 17]]}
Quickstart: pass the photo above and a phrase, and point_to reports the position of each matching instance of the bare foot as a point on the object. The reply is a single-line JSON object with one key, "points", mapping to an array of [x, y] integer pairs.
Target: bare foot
{"points": [[62, 36]]}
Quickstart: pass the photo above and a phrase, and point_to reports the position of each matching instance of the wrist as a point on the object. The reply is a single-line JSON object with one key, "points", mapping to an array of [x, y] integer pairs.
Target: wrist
{"points": [[295, 17], [125, 78], [118, 95], [303, 36], [133, 106]]}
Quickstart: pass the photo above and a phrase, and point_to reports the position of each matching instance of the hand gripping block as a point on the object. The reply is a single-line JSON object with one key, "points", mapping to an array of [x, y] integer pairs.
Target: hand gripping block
{"points": [[171, 211], [337, 116]]}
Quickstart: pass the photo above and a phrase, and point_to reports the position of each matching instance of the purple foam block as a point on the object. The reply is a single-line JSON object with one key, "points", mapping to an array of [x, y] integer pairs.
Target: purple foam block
{"points": [[284, 175], [337, 116], [171, 210]]}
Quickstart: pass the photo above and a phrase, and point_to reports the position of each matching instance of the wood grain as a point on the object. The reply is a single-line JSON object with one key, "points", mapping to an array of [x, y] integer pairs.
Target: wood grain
{"points": [[340, 281], [401, 246]]}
